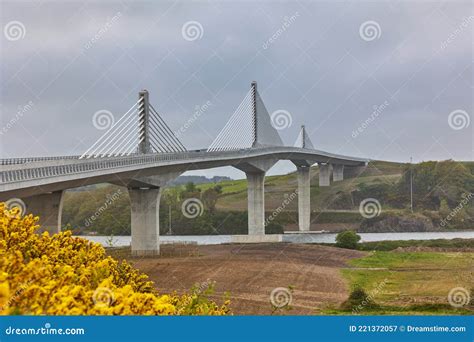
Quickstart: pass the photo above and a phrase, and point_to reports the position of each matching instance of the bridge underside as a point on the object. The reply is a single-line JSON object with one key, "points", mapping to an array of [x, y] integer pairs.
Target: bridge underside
{"points": [[48, 207]]}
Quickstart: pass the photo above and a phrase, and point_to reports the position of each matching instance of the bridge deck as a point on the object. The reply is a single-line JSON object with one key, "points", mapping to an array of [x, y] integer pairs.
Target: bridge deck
{"points": [[21, 173]]}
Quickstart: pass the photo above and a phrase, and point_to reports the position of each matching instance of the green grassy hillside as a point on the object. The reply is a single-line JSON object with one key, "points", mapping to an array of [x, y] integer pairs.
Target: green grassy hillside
{"points": [[234, 193], [440, 189]]}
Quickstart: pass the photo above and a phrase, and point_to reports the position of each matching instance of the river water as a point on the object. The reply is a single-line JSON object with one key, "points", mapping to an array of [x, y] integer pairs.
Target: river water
{"points": [[118, 241]]}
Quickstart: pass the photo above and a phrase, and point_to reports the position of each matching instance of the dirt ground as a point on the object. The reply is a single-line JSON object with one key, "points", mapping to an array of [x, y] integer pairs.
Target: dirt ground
{"points": [[251, 271]]}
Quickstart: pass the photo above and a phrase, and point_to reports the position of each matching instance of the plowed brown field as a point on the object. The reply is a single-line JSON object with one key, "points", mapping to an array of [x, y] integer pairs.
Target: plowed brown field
{"points": [[251, 271]]}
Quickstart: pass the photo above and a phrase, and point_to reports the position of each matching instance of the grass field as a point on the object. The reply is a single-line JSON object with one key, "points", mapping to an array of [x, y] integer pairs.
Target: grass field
{"points": [[390, 245], [457, 244], [411, 283]]}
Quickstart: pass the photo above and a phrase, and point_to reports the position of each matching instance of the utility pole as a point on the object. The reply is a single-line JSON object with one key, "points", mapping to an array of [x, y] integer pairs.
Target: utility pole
{"points": [[169, 221], [411, 185]]}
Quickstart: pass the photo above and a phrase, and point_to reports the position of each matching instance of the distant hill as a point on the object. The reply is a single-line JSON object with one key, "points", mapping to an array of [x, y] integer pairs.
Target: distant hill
{"points": [[277, 188], [199, 180]]}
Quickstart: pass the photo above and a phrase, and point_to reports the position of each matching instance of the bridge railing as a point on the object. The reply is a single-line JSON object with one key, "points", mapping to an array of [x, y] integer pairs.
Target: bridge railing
{"points": [[74, 165], [87, 165], [14, 161]]}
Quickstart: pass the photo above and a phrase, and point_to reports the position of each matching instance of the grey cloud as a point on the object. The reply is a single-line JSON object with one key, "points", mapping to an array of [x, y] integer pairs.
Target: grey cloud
{"points": [[320, 55]]}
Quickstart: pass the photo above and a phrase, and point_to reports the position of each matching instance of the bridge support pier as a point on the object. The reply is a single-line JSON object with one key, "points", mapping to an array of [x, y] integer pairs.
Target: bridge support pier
{"points": [[324, 175], [256, 202], [145, 205], [49, 208], [337, 172], [255, 171], [304, 198]]}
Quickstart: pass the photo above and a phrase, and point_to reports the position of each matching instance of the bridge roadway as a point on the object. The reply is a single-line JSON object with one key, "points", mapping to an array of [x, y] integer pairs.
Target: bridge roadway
{"points": [[28, 177], [40, 182]]}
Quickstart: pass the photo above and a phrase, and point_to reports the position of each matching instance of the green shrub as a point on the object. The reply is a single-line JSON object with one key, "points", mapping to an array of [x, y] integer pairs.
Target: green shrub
{"points": [[359, 300], [347, 239], [274, 228]]}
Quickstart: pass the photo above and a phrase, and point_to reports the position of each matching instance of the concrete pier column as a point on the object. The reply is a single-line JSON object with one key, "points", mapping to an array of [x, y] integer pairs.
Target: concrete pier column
{"points": [[324, 175], [337, 172], [256, 202], [304, 207], [49, 208], [145, 205]]}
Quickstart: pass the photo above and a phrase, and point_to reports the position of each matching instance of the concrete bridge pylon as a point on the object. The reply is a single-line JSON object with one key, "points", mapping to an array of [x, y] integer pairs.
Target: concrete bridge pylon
{"points": [[141, 153]]}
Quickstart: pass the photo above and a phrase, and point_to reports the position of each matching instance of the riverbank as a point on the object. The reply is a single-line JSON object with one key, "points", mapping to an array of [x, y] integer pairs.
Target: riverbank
{"points": [[435, 245], [122, 241]]}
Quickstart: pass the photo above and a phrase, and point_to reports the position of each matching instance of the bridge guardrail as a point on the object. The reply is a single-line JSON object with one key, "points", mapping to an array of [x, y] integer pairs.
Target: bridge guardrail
{"points": [[14, 161], [84, 165], [93, 164]]}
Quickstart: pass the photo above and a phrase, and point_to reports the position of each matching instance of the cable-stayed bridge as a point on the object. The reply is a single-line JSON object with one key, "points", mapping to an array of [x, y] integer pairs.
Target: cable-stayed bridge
{"points": [[142, 153]]}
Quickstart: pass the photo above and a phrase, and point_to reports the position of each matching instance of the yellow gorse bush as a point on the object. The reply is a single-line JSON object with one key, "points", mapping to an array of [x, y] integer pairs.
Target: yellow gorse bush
{"points": [[66, 275]]}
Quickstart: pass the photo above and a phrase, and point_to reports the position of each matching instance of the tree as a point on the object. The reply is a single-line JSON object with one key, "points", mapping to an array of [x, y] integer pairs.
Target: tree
{"points": [[358, 300], [190, 187], [434, 181], [218, 189], [190, 191], [347, 239], [209, 198], [274, 228], [444, 209]]}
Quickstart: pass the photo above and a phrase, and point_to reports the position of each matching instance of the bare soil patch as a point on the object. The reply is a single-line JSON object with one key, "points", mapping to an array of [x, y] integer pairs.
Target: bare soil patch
{"points": [[251, 271]]}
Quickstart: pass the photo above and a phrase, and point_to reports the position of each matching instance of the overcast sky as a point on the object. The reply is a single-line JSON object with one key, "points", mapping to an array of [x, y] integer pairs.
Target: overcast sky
{"points": [[382, 80]]}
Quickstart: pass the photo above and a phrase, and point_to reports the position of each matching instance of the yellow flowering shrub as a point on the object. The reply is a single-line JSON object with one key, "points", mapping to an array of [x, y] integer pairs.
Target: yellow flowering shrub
{"points": [[66, 275]]}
